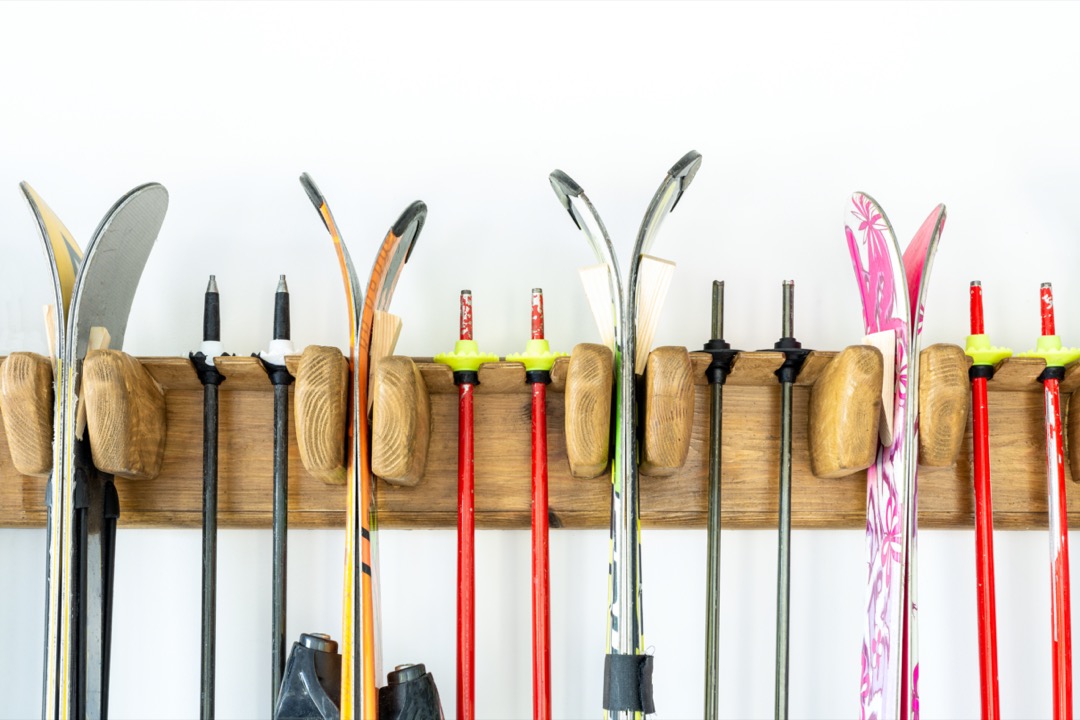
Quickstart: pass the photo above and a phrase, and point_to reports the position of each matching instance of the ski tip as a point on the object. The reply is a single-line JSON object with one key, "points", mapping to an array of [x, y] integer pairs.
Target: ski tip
{"points": [[684, 171], [312, 190], [409, 225], [316, 197], [211, 287], [565, 188]]}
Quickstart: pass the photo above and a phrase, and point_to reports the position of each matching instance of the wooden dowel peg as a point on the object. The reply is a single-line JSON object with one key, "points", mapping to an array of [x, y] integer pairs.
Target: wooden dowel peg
{"points": [[320, 400], [944, 404], [26, 402], [401, 422], [125, 415], [845, 409], [668, 413], [589, 382]]}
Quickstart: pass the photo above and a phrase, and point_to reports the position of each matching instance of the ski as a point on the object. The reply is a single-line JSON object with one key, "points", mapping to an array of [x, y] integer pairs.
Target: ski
{"points": [[627, 669], [918, 261], [984, 357], [889, 676], [359, 694], [65, 259], [89, 506]]}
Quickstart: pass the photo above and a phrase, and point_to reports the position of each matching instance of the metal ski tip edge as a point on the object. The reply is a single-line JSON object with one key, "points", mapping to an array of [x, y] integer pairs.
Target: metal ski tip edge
{"points": [[414, 215], [314, 195], [684, 171]]}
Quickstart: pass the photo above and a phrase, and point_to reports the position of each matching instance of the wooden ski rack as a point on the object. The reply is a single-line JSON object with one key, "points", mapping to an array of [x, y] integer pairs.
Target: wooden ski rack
{"points": [[750, 458]]}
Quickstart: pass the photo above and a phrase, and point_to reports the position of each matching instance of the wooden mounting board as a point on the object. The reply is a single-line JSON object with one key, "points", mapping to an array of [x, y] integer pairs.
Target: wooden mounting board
{"points": [[750, 459]]}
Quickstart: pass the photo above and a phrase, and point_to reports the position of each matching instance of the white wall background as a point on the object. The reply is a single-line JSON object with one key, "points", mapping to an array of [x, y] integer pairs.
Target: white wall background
{"points": [[468, 107]]}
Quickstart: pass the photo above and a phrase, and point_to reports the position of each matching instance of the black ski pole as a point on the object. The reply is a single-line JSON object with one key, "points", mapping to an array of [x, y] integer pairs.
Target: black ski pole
{"points": [[273, 361], [210, 378], [794, 355], [722, 359]]}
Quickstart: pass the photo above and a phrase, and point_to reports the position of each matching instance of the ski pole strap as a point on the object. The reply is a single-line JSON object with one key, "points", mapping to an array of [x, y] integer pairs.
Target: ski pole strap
{"points": [[278, 374], [794, 356], [628, 683], [723, 357], [208, 374]]}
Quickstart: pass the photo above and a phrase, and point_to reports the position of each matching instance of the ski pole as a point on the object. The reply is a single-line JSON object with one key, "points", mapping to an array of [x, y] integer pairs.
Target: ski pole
{"points": [[722, 358], [1049, 348], [465, 361], [210, 377], [794, 355], [273, 361], [984, 357], [538, 360]]}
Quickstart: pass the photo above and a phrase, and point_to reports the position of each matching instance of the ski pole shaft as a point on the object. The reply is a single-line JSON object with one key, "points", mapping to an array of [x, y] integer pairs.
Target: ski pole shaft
{"points": [[1061, 639], [203, 361], [712, 587], [783, 590], [209, 552], [274, 363], [541, 602], [984, 520], [466, 532]]}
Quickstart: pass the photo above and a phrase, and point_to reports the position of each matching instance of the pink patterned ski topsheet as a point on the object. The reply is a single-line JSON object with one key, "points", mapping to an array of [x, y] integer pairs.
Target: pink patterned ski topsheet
{"points": [[893, 295], [882, 284]]}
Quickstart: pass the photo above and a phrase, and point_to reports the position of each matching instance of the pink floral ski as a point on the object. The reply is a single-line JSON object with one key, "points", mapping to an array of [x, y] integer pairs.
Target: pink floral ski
{"points": [[888, 689]]}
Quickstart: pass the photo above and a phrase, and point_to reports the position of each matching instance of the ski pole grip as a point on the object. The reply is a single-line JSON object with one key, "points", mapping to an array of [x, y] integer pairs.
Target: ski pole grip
{"points": [[401, 422], [589, 382], [668, 414], [26, 403], [125, 415], [845, 409], [944, 404], [320, 406]]}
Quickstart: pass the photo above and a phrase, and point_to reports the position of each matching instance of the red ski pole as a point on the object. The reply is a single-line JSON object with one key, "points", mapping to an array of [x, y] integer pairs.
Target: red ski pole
{"points": [[465, 361], [984, 358], [1049, 348], [538, 360]]}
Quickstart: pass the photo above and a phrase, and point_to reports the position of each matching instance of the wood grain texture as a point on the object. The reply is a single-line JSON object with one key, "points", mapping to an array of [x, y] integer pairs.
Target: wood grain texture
{"points": [[321, 404], [845, 410], [667, 417], [401, 422], [751, 451], [587, 428], [944, 404], [125, 415], [26, 403]]}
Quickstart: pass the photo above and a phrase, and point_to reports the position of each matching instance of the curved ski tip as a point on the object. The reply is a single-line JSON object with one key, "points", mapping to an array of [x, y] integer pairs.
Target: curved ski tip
{"points": [[564, 186], [409, 225], [684, 171], [312, 190]]}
